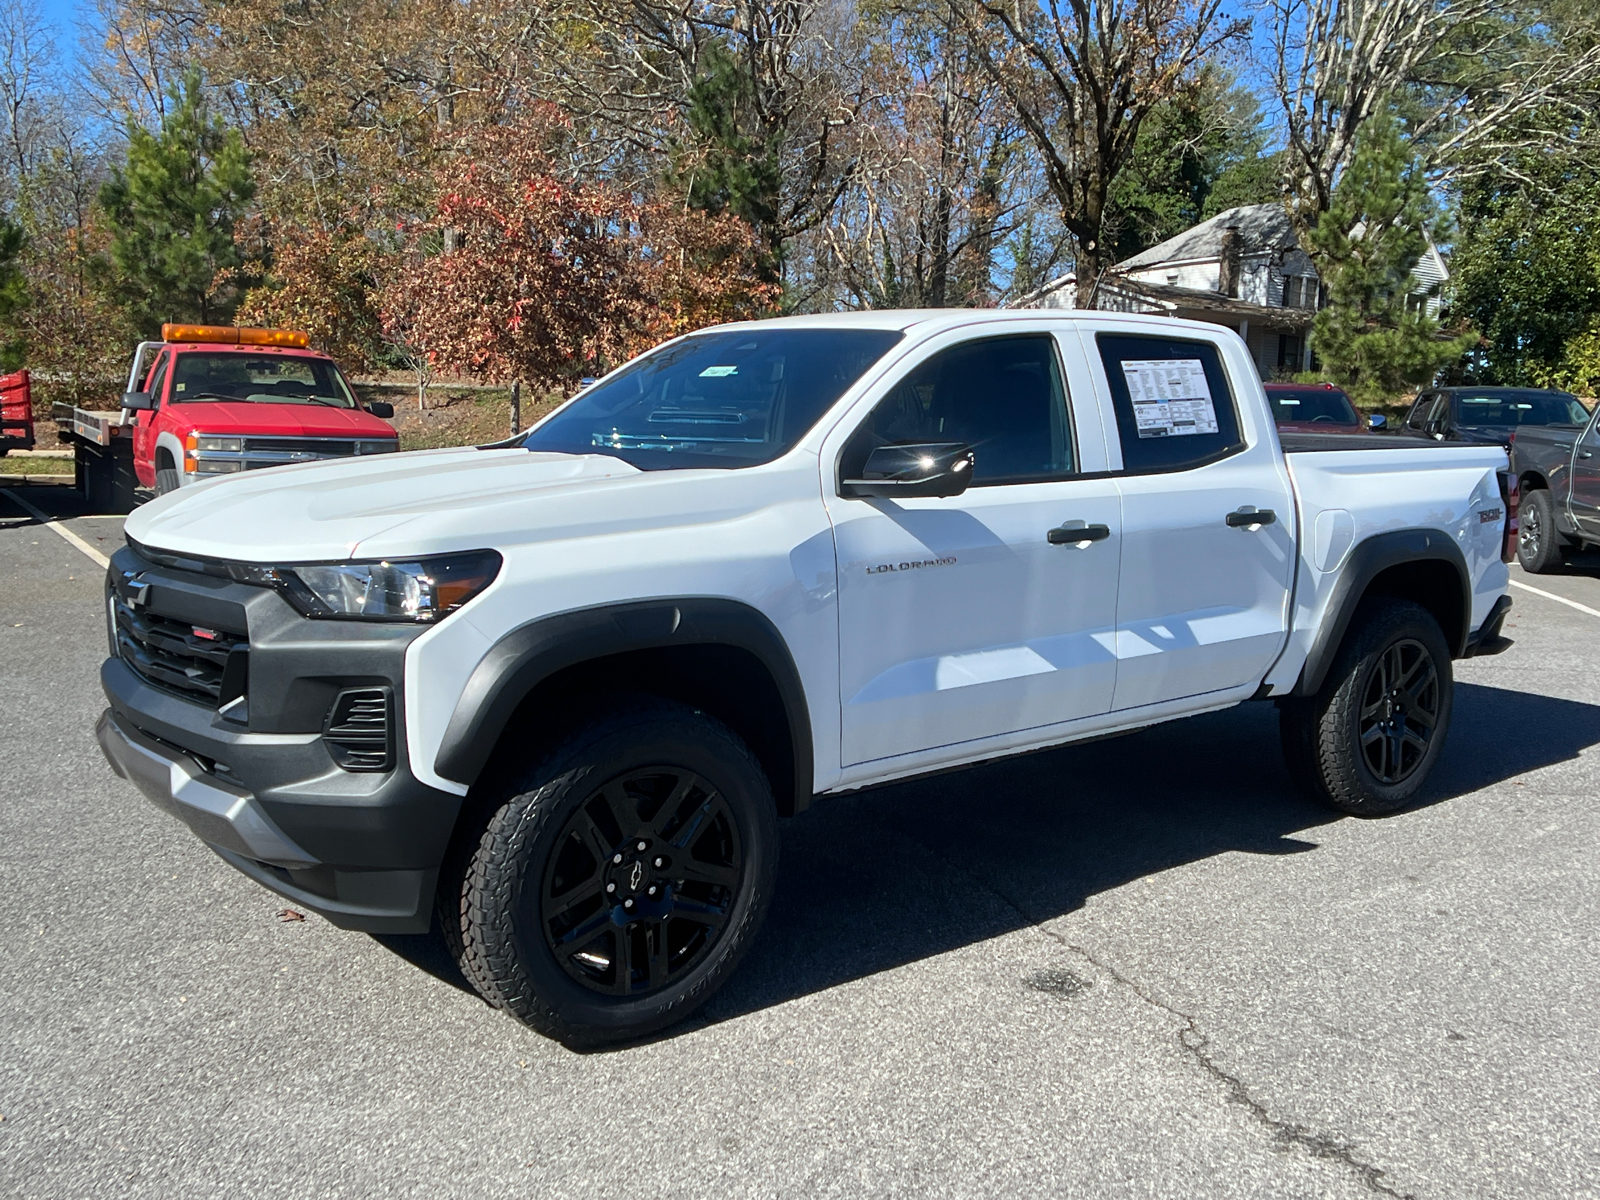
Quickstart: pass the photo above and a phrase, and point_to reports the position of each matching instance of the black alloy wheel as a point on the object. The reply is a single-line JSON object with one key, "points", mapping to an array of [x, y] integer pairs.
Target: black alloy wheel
{"points": [[642, 882], [1399, 711], [1367, 740], [608, 888]]}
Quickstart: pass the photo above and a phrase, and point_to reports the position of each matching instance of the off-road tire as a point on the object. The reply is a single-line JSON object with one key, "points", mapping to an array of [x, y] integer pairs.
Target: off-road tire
{"points": [[1321, 734], [504, 950], [1540, 546]]}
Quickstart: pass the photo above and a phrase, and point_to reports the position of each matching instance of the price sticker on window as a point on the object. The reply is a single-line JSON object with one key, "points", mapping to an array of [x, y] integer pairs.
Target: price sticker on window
{"points": [[1171, 397]]}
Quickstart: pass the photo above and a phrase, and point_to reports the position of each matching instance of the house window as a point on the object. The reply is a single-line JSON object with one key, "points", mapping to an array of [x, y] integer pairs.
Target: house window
{"points": [[1290, 349], [1299, 291]]}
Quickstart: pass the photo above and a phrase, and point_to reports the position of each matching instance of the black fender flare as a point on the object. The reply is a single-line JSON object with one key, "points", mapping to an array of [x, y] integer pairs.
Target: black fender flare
{"points": [[531, 653], [1366, 562]]}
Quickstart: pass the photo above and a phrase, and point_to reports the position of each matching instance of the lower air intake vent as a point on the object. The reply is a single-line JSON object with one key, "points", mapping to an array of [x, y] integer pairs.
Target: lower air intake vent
{"points": [[360, 731]]}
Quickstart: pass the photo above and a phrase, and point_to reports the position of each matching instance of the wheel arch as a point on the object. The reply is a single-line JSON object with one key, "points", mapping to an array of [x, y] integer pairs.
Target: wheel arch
{"points": [[1421, 565], [720, 656], [1531, 481]]}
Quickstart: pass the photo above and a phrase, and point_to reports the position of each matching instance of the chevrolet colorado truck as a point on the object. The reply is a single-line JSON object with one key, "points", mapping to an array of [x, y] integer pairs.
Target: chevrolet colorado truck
{"points": [[556, 693], [1558, 473], [211, 400]]}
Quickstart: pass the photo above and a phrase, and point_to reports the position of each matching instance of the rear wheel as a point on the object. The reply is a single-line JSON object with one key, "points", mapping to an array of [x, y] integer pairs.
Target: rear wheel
{"points": [[622, 878], [1368, 740], [1539, 543]]}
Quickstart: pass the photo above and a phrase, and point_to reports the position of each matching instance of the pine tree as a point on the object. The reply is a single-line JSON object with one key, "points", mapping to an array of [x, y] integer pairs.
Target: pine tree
{"points": [[1375, 337], [13, 296], [730, 164], [171, 213]]}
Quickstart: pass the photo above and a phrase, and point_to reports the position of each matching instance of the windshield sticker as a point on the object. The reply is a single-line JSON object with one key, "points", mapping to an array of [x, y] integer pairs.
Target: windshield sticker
{"points": [[1171, 397], [718, 372]]}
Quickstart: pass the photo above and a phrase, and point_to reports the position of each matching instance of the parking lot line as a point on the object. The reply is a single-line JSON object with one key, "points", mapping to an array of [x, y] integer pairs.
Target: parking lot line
{"points": [[50, 524], [1584, 608]]}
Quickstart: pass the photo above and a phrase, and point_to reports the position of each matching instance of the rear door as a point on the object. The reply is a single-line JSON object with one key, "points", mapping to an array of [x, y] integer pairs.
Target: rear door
{"points": [[1208, 519]]}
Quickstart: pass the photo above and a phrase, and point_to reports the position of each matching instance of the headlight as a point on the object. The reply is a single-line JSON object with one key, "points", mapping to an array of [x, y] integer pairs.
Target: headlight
{"points": [[217, 466], [419, 589], [228, 445]]}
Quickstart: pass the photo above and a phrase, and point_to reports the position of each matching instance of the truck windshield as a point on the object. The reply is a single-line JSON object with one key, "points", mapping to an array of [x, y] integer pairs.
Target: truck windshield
{"points": [[263, 379], [1522, 408], [1326, 405], [732, 398]]}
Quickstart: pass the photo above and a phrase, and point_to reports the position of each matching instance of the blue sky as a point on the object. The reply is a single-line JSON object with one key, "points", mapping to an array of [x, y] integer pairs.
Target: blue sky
{"points": [[64, 15]]}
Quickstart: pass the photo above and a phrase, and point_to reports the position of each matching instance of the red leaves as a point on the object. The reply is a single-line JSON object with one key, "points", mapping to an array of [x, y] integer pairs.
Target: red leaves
{"points": [[550, 274]]}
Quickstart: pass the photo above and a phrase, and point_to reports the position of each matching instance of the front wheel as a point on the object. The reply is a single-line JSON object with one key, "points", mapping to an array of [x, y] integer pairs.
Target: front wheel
{"points": [[623, 877], [1539, 543], [1368, 739]]}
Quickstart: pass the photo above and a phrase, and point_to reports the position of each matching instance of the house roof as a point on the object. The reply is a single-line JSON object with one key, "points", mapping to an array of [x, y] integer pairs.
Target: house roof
{"points": [[1173, 299], [1262, 228]]}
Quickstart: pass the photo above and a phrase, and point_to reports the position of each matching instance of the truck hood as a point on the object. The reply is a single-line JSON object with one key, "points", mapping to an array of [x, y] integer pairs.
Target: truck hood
{"points": [[277, 420], [322, 511]]}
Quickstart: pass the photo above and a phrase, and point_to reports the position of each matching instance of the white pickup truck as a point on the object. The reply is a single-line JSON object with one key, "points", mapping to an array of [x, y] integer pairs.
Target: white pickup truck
{"points": [[556, 693]]}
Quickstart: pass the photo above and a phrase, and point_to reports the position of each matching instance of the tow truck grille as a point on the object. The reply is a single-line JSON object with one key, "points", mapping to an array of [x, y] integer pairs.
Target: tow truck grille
{"points": [[173, 654], [328, 447]]}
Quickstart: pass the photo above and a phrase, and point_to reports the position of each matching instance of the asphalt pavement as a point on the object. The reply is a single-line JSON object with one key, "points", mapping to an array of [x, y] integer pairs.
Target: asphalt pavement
{"points": [[1143, 967]]}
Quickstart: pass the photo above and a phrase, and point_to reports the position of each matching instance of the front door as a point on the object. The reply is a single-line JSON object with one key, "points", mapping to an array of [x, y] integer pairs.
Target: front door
{"points": [[1586, 480], [1203, 599], [959, 618], [144, 431]]}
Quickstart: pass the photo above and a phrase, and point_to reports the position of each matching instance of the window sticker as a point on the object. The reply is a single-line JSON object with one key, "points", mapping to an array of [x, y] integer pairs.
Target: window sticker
{"points": [[718, 372], [1171, 397]]}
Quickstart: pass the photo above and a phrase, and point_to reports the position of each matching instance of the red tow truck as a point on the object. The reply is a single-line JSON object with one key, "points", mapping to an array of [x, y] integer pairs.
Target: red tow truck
{"points": [[209, 400]]}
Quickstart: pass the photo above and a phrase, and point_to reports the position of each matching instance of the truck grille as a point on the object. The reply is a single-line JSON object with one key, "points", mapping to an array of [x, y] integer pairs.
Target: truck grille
{"points": [[175, 655]]}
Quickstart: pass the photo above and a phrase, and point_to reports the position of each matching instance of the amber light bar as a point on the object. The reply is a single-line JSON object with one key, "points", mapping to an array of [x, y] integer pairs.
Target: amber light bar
{"points": [[234, 335]]}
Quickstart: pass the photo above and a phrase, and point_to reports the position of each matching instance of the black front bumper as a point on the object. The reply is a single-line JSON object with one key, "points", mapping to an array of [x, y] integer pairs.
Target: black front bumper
{"points": [[362, 848]]}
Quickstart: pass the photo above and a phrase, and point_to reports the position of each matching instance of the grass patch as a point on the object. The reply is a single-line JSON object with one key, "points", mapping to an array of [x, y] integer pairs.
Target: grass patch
{"points": [[13, 464], [455, 416]]}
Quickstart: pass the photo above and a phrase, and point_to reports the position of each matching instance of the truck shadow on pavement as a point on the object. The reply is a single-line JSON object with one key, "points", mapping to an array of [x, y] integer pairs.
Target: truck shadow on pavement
{"points": [[878, 879]]}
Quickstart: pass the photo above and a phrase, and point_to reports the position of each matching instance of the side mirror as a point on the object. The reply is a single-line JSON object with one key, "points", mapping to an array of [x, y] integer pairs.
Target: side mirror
{"points": [[141, 400], [1377, 421], [920, 469], [380, 408]]}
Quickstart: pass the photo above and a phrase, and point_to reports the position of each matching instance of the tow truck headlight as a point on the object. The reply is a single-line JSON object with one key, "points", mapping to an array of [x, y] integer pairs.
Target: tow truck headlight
{"points": [[227, 445], [421, 589], [214, 466]]}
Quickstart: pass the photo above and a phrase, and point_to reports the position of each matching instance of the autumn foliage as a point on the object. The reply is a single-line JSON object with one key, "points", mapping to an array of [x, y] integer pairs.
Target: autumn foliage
{"points": [[526, 274]]}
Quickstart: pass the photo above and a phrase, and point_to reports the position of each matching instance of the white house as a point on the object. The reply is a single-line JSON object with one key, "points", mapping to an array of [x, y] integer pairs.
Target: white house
{"points": [[1242, 268]]}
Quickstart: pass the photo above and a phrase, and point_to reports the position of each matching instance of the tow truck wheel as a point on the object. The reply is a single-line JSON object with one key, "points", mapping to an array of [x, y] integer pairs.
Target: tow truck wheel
{"points": [[622, 877], [1366, 742], [167, 478]]}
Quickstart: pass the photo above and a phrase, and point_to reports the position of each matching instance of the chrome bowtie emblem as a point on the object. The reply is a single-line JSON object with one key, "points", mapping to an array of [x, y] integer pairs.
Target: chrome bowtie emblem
{"points": [[637, 877]]}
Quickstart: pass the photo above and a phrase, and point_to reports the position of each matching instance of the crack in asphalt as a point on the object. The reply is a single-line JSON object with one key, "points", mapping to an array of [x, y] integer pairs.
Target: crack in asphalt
{"points": [[1197, 1044]]}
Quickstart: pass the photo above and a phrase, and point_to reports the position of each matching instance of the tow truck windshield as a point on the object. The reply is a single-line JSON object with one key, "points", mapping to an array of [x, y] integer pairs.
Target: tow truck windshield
{"points": [[720, 399], [268, 379]]}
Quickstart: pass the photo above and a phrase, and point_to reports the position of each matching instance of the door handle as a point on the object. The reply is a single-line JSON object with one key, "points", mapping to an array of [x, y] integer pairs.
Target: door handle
{"points": [[1585, 453], [1071, 535], [1244, 518]]}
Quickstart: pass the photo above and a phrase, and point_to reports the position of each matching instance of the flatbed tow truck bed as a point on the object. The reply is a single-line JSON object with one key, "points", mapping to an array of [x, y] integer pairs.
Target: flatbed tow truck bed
{"points": [[102, 456]]}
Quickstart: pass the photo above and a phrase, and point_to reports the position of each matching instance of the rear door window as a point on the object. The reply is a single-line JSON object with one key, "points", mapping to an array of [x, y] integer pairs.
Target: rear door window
{"points": [[1175, 409]]}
